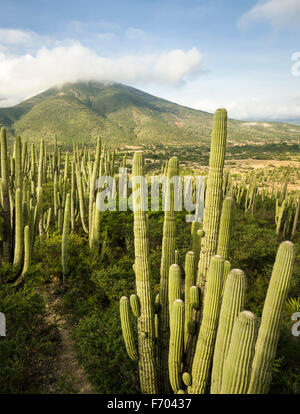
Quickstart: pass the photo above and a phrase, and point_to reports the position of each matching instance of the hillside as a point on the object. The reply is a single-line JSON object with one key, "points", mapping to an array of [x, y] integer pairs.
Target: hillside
{"points": [[124, 115]]}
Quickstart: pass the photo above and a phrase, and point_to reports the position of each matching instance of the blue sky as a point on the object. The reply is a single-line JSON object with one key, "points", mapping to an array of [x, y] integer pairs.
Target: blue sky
{"points": [[203, 54]]}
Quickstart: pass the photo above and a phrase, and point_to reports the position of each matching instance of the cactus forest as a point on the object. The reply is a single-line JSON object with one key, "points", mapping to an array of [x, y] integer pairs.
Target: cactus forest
{"points": [[141, 300]]}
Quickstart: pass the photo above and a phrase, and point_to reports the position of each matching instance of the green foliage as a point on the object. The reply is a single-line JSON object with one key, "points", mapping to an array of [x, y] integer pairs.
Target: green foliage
{"points": [[29, 341], [293, 305], [100, 348]]}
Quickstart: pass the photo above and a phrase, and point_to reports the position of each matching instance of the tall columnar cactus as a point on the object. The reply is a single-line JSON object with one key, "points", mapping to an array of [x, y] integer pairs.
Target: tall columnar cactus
{"points": [[280, 209], [92, 187], [213, 198], [237, 367], [19, 230], [18, 164], [225, 228], [27, 250], [197, 234], [146, 331], [168, 258], [81, 197], [176, 344], [95, 237], [208, 329], [232, 305], [296, 218], [65, 237], [6, 242], [269, 331], [174, 286], [127, 329], [72, 194], [189, 282]]}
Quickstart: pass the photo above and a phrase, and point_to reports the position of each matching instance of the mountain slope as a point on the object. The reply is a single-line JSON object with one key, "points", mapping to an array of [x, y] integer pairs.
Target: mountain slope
{"points": [[124, 115]]}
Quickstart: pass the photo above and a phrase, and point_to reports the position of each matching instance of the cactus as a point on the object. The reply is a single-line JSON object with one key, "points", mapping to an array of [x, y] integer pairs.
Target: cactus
{"points": [[174, 286], [269, 331], [146, 332], [65, 237], [187, 379], [237, 367], [6, 242], [213, 198], [176, 344], [167, 259], [95, 235], [189, 282], [208, 328], [127, 329], [18, 164], [92, 188], [279, 214], [19, 230], [225, 228], [232, 305], [296, 218], [195, 297], [135, 305], [81, 198]]}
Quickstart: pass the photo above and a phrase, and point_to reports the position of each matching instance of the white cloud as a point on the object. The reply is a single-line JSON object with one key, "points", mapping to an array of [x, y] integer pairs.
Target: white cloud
{"points": [[279, 13], [133, 33], [254, 109], [106, 36], [26, 75], [14, 36]]}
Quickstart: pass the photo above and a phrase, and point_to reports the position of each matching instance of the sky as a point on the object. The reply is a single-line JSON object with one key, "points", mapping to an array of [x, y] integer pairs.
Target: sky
{"points": [[205, 54]]}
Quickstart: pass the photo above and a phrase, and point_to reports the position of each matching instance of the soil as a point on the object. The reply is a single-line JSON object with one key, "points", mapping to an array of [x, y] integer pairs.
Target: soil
{"points": [[65, 375]]}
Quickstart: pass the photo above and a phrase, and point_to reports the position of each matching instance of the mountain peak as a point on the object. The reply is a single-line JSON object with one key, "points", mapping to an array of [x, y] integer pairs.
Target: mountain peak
{"points": [[121, 114]]}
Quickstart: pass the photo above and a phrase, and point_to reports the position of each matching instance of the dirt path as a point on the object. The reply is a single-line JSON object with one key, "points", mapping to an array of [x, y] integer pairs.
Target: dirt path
{"points": [[66, 375]]}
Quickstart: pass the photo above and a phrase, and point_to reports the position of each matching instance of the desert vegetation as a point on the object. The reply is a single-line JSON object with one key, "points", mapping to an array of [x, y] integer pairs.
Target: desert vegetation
{"points": [[201, 307]]}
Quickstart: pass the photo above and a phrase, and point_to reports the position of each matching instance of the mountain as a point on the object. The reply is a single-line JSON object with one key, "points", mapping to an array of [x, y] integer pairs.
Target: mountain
{"points": [[121, 114]]}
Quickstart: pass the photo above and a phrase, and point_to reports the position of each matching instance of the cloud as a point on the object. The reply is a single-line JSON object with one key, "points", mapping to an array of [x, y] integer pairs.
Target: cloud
{"points": [[106, 36], [22, 76], [255, 109], [133, 33], [14, 36], [280, 13]]}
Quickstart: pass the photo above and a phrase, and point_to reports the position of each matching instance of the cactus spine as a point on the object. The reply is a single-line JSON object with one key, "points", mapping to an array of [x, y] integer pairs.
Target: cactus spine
{"points": [[269, 331]]}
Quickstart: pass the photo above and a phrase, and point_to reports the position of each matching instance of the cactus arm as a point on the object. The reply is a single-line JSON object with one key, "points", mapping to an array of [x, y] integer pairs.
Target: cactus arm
{"points": [[269, 331], [237, 367], [232, 305], [127, 329]]}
